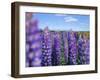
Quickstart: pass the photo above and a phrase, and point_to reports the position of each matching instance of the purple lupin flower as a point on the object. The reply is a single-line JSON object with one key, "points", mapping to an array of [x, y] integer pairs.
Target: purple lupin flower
{"points": [[33, 44], [56, 54], [72, 44], [28, 18], [87, 52], [46, 48], [83, 49], [65, 46]]}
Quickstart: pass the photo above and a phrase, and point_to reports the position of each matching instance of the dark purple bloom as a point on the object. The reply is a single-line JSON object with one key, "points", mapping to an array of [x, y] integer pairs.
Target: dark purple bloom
{"points": [[72, 44], [56, 53], [83, 49], [46, 48]]}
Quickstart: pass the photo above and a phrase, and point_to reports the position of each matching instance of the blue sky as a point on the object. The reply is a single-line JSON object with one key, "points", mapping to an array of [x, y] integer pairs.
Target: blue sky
{"points": [[63, 22]]}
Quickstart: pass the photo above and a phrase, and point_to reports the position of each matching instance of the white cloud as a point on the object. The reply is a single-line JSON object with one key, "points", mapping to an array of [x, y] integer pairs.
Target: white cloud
{"points": [[70, 19], [67, 18]]}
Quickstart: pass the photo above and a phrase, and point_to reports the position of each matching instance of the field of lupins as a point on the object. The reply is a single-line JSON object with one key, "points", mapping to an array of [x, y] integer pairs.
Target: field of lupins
{"points": [[55, 48]]}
